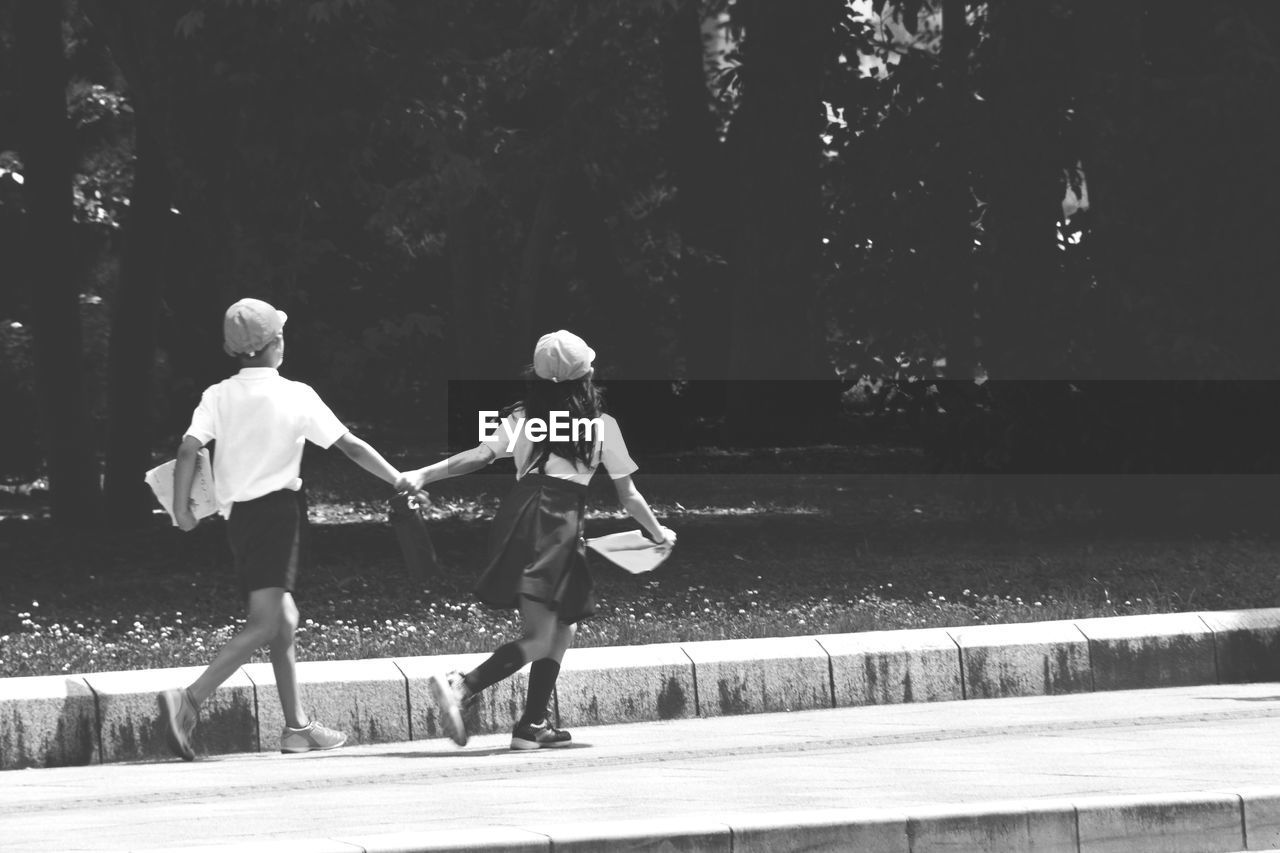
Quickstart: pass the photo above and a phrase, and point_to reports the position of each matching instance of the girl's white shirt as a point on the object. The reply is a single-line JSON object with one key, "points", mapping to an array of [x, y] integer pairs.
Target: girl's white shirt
{"points": [[610, 450]]}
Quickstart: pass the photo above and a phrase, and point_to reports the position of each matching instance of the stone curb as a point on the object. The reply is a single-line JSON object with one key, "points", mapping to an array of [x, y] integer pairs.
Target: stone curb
{"points": [[112, 716], [1203, 822]]}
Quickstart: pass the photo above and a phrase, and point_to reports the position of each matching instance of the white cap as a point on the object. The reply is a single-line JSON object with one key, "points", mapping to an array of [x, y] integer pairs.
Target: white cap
{"points": [[561, 356], [249, 326]]}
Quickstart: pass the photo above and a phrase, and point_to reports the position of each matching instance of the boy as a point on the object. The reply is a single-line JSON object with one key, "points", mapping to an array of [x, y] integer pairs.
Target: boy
{"points": [[259, 421]]}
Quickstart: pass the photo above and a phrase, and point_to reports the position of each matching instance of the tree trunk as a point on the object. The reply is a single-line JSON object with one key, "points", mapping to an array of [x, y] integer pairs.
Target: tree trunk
{"points": [[777, 149], [134, 36], [957, 246], [697, 162], [618, 314], [131, 363], [55, 304], [533, 302], [1026, 335], [472, 321], [1119, 178]]}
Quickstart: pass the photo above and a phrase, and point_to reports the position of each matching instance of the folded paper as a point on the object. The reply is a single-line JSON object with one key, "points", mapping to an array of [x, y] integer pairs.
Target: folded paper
{"points": [[630, 551], [203, 502]]}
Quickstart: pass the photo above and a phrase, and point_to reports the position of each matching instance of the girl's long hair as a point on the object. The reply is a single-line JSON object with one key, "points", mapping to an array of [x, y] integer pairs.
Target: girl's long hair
{"points": [[579, 397]]}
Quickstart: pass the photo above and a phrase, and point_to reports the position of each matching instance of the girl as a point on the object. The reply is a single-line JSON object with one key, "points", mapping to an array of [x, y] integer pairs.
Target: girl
{"points": [[537, 561]]}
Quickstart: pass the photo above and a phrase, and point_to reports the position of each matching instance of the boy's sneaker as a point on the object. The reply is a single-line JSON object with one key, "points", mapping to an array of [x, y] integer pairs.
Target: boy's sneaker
{"points": [[178, 717], [449, 692], [310, 737], [538, 736]]}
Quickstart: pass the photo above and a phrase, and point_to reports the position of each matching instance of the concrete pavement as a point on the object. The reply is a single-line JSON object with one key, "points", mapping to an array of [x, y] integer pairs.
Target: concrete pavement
{"points": [[1174, 769]]}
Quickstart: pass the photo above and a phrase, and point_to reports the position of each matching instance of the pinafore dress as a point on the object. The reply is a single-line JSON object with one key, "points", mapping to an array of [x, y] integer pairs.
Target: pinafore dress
{"points": [[536, 548]]}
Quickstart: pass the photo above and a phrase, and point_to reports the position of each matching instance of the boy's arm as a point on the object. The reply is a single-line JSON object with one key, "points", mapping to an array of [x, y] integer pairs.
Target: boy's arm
{"points": [[184, 472], [455, 466], [638, 508], [362, 453]]}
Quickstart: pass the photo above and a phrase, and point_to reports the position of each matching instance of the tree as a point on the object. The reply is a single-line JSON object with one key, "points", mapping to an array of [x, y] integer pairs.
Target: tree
{"points": [[137, 40], [956, 152], [1026, 331], [776, 146], [49, 271], [775, 142], [702, 180]]}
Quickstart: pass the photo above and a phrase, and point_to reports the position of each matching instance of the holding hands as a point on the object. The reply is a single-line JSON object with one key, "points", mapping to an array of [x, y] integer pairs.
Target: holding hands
{"points": [[411, 483]]}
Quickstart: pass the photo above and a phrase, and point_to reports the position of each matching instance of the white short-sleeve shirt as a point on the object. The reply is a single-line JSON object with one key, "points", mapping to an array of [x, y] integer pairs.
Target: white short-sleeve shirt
{"points": [[611, 451], [260, 421]]}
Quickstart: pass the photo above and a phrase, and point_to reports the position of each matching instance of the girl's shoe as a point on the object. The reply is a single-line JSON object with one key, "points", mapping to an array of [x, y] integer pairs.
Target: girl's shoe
{"points": [[538, 736], [449, 692], [310, 737]]}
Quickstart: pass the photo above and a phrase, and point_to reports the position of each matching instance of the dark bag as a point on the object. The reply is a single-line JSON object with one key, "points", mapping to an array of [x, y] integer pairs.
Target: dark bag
{"points": [[411, 532]]}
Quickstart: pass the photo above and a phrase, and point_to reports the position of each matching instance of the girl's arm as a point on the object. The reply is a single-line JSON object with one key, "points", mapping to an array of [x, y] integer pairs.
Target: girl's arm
{"points": [[638, 508], [362, 453], [455, 466]]}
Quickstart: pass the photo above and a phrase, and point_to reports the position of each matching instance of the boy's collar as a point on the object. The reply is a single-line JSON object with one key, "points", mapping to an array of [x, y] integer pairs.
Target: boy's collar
{"points": [[258, 372]]}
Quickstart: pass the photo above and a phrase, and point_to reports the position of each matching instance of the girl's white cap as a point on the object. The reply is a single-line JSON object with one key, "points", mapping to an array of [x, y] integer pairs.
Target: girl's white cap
{"points": [[561, 356]]}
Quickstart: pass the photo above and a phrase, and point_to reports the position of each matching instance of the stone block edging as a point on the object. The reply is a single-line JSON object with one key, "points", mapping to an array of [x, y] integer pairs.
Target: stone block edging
{"points": [[103, 717]]}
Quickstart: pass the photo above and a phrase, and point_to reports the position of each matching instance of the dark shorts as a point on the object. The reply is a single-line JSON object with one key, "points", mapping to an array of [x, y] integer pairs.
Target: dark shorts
{"points": [[264, 535]]}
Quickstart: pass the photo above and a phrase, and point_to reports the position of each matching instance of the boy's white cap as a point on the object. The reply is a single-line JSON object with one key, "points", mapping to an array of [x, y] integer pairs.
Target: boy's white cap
{"points": [[561, 356], [249, 326]]}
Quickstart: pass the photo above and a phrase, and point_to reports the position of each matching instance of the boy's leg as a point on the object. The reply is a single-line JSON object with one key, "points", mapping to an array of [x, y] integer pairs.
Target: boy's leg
{"points": [[283, 662], [179, 707], [266, 607], [300, 734]]}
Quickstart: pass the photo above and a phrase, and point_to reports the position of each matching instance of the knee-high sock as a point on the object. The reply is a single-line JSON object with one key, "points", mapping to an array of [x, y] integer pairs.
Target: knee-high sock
{"points": [[542, 680], [505, 661]]}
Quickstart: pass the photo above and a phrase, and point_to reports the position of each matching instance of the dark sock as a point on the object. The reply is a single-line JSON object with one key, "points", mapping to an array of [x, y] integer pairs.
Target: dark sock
{"points": [[542, 680], [503, 662]]}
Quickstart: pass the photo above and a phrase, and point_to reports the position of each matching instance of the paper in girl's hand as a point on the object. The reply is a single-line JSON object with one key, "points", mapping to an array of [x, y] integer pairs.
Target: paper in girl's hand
{"points": [[203, 502], [631, 551]]}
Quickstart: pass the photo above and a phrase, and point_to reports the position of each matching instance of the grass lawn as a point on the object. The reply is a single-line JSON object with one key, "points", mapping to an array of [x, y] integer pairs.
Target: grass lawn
{"points": [[772, 543]]}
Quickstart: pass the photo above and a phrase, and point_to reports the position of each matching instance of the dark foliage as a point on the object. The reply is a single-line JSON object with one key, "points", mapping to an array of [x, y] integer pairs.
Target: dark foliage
{"points": [[1048, 196]]}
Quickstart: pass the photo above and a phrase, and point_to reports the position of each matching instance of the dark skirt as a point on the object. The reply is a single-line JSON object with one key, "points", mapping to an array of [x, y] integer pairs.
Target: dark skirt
{"points": [[536, 549]]}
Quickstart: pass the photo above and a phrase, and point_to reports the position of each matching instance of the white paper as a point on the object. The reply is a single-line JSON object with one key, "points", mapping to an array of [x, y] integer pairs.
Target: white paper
{"points": [[630, 551], [203, 502]]}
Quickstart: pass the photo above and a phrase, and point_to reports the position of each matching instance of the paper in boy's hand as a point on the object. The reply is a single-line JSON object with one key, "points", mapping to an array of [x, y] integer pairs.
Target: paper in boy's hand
{"points": [[630, 551], [203, 502]]}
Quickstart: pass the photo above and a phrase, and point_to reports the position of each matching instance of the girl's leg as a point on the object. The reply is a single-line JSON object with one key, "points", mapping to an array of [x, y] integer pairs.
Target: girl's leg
{"points": [[561, 641], [543, 675], [539, 628]]}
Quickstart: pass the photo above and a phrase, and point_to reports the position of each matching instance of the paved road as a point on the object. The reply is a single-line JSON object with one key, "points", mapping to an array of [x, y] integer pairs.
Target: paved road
{"points": [[1138, 742]]}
